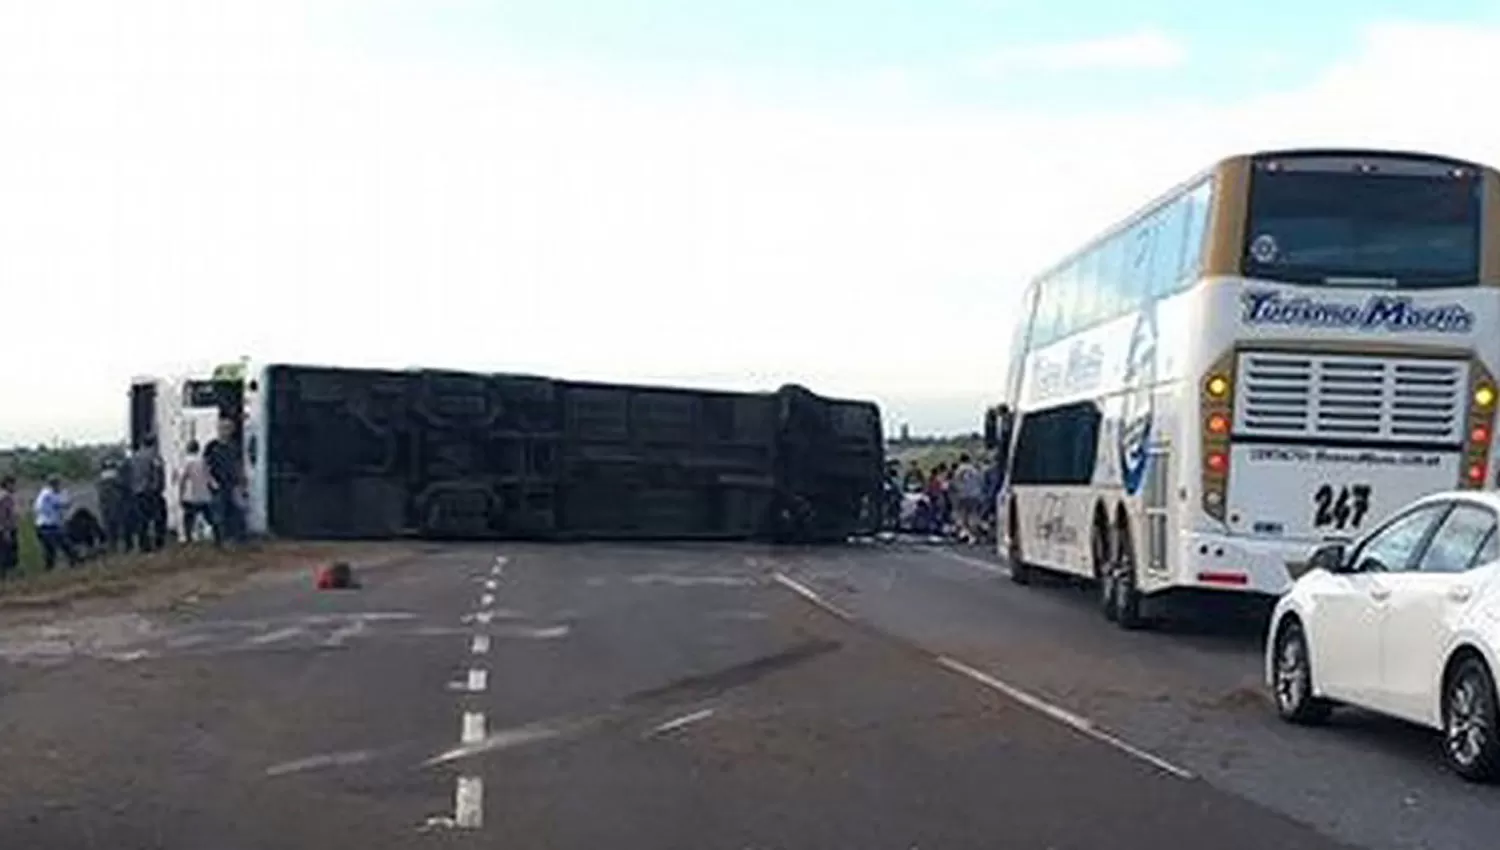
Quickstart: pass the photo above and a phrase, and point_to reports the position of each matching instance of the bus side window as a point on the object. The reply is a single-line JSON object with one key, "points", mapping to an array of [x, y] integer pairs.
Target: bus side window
{"points": [[1084, 270], [1057, 446], [1075, 297], [1197, 202], [1140, 245], [1166, 267], [1045, 329], [1111, 271], [1068, 314]]}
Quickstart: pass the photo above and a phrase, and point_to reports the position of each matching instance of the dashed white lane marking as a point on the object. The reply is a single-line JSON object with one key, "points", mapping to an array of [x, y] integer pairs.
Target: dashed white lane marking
{"points": [[481, 645], [491, 584], [479, 679], [487, 599], [325, 760], [272, 637], [685, 720], [484, 617], [514, 737], [976, 563], [811, 595], [473, 728], [468, 803], [1062, 715]]}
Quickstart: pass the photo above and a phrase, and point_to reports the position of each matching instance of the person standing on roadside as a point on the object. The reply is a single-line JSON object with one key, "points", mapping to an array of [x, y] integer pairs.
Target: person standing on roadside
{"points": [[148, 483], [195, 491], [968, 494], [225, 479], [49, 512], [10, 527], [113, 494]]}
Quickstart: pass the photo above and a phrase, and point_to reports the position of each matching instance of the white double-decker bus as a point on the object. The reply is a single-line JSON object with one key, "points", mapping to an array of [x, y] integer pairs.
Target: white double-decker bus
{"points": [[1284, 349]]}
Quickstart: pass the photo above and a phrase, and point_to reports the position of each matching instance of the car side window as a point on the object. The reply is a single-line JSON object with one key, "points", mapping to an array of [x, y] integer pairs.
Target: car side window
{"points": [[1393, 547], [1459, 540], [1489, 551]]}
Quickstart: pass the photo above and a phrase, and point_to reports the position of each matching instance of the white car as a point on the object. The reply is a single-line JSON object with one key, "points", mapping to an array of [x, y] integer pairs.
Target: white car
{"points": [[1405, 622]]}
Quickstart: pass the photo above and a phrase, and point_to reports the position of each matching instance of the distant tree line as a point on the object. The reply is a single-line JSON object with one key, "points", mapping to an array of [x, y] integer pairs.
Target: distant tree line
{"points": [[69, 462]]}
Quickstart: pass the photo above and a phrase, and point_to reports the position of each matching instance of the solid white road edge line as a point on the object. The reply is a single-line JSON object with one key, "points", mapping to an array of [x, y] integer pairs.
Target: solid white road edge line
{"points": [[468, 803], [479, 679], [976, 563], [481, 645], [1062, 715], [811, 595], [473, 730]]}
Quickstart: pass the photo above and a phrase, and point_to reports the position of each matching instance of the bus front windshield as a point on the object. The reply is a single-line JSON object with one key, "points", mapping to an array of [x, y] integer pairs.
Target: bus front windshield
{"points": [[1327, 227]]}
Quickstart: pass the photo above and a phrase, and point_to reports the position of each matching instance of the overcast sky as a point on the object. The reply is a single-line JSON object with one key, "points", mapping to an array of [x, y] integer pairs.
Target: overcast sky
{"points": [[737, 193]]}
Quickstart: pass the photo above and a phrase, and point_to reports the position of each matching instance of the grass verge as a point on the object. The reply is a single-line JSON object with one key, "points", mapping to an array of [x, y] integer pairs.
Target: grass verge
{"points": [[206, 568]]}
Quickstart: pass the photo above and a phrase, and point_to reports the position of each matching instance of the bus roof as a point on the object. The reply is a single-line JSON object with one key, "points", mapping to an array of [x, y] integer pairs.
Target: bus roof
{"points": [[1183, 185], [1359, 152]]}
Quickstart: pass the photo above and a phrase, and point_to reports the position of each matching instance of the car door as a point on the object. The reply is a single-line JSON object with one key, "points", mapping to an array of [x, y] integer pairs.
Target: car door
{"points": [[1348, 606], [1424, 608]]}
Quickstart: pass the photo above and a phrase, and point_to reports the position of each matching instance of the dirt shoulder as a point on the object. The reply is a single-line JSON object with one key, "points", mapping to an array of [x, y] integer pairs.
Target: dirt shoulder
{"points": [[174, 580]]}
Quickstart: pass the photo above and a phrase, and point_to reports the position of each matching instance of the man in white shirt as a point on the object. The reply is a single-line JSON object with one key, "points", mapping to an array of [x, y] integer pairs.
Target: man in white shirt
{"points": [[49, 512], [194, 492]]}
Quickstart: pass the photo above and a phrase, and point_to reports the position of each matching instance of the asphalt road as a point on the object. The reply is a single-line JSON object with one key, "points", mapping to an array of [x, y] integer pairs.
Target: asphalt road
{"points": [[688, 696]]}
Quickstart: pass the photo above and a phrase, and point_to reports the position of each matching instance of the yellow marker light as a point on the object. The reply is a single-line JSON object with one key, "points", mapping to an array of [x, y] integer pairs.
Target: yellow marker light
{"points": [[1218, 385], [1484, 396]]}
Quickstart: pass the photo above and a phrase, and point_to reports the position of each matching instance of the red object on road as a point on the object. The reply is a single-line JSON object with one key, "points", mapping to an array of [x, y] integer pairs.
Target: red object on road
{"points": [[336, 577]]}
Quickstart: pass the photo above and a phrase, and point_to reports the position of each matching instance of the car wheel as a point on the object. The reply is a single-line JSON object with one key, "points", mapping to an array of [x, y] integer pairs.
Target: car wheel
{"points": [[1292, 679], [1471, 744]]}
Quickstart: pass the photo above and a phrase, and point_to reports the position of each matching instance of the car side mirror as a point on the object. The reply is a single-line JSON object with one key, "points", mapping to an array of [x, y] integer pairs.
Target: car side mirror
{"points": [[1331, 557]]}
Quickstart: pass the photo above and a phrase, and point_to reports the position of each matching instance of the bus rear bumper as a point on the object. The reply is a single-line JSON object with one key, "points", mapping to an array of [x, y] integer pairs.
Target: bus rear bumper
{"points": [[1235, 564]]}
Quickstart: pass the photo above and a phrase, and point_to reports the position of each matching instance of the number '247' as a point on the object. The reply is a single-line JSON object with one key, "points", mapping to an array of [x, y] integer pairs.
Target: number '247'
{"points": [[1344, 507]]}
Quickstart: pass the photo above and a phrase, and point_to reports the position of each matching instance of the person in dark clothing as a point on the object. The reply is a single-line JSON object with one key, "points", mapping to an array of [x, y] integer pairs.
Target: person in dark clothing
{"points": [[226, 478], [10, 526], [114, 492], [148, 483], [84, 532]]}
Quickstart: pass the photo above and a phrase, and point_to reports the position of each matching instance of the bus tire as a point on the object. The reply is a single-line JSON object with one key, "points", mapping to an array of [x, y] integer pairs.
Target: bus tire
{"points": [[1101, 547], [1020, 571], [1125, 594]]}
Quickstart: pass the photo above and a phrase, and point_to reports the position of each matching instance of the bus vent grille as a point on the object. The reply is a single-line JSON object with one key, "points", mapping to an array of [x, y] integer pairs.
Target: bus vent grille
{"points": [[1342, 397]]}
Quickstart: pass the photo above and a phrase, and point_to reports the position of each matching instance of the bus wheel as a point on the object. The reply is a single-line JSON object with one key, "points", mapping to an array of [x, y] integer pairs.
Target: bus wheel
{"points": [[1020, 572], [1099, 545], [1124, 596]]}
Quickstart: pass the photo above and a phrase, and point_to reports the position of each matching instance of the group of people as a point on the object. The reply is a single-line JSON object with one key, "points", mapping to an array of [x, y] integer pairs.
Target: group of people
{"points": [[133, 504], [949, 499]]}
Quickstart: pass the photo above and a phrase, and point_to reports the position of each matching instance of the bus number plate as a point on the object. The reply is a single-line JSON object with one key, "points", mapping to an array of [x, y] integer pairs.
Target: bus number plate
{"points": [[1342, 507]]}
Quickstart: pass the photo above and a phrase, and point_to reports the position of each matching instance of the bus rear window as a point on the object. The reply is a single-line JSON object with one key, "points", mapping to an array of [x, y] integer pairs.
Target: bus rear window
{"points": [[1410, 230]]}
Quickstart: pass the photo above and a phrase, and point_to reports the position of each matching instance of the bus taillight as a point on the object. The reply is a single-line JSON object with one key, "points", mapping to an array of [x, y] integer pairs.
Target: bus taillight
{"points": [[1216, 406], [1481, 426]]}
